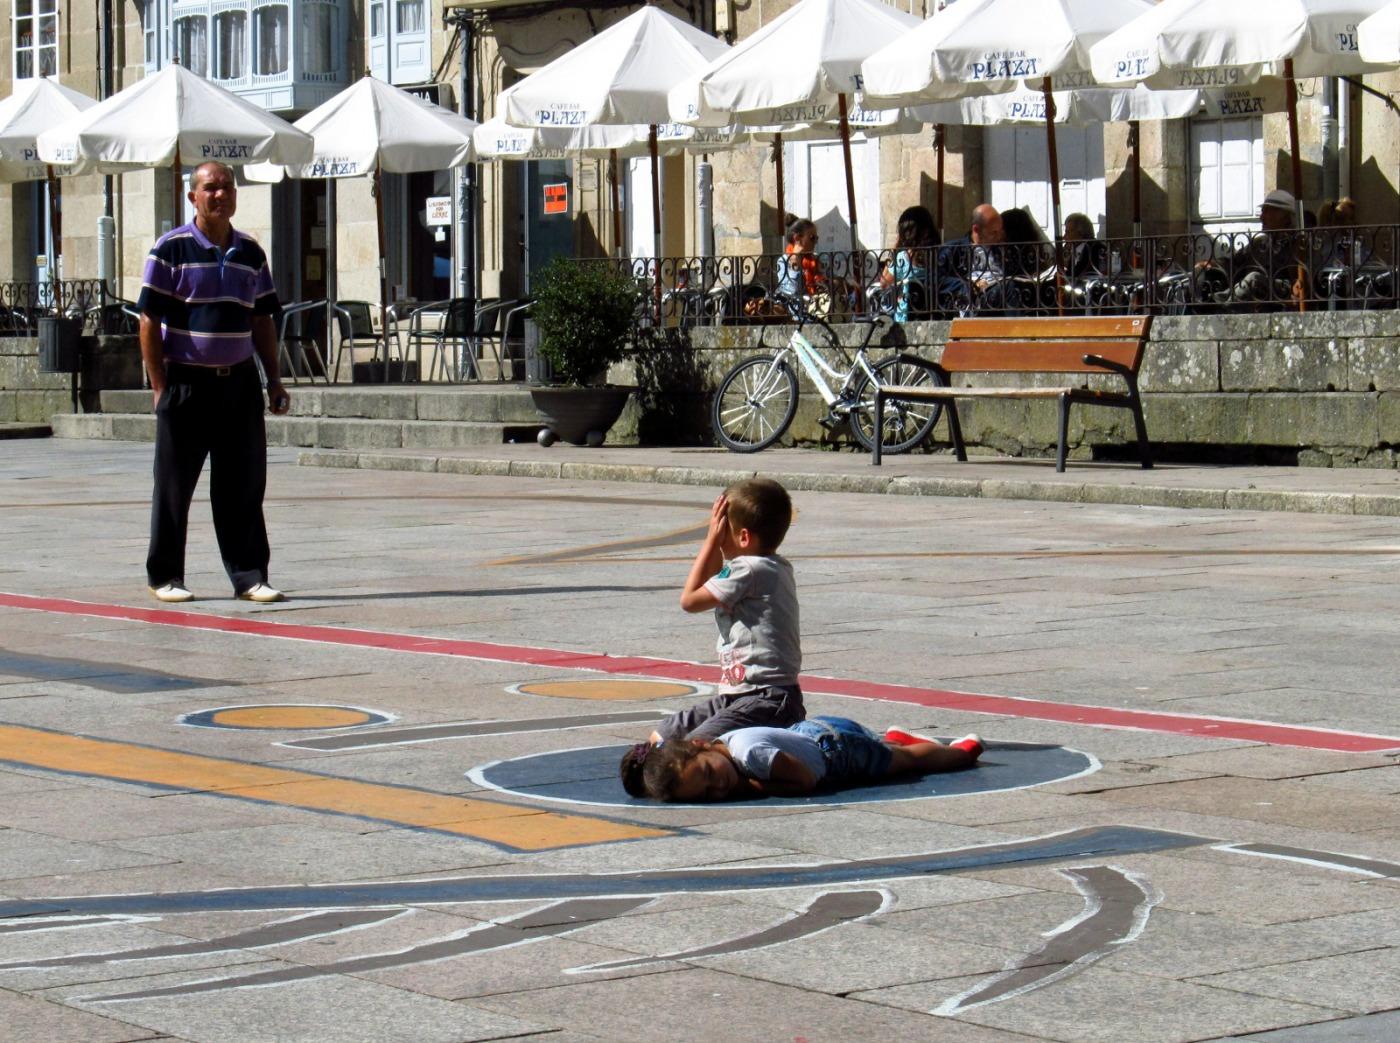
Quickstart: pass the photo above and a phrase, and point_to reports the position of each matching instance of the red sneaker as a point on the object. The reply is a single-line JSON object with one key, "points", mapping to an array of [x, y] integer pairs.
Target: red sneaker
{"points": [[970, 743], [899, 737]]}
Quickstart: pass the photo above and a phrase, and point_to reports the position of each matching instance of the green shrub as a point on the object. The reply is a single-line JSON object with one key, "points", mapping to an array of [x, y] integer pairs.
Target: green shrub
{"points": [[586, 314]]}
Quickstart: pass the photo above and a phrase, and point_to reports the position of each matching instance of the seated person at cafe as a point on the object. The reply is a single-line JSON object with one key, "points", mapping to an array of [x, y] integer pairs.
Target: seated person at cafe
{"points": [[907, 274], [971, 268], [801, 275], [1088, 256], [1264, 268]]}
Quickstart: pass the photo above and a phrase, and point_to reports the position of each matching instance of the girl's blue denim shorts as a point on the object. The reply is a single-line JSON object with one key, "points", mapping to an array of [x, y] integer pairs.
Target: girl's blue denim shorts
{"points": [[853, 753]]}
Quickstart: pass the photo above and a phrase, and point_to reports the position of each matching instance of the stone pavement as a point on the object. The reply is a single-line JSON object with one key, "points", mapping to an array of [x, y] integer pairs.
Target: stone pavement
{"points": [[381, 810]]}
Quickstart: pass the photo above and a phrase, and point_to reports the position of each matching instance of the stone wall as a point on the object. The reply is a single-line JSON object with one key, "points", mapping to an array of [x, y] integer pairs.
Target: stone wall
{"points": [[30, 396], [1321, 388]]}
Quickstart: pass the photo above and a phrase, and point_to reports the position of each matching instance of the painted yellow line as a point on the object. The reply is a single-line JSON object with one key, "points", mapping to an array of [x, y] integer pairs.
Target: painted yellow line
{"points": [[611, 688], [290, 717], [510, 825]]}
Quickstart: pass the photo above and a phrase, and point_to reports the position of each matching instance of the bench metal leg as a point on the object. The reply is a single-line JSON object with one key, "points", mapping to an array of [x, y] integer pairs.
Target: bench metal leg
{"points": [[955, 430], [1064, 433], [1144, 447], [879, 426]]}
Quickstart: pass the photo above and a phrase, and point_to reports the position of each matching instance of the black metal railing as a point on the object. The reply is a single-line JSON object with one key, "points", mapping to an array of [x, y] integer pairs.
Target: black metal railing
{"points": [[1319, 269], [23, 304]]}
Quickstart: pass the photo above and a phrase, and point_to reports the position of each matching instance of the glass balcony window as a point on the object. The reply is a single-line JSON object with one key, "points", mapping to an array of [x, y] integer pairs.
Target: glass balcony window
{"points": [[408, 16], [192, 43], [34, 38], [272, 28], [320, 24], [231, 45]]}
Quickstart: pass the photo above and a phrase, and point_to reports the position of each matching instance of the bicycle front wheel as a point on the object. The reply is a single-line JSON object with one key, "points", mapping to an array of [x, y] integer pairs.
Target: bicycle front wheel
{"points": [[906, 424], [755, 404]]}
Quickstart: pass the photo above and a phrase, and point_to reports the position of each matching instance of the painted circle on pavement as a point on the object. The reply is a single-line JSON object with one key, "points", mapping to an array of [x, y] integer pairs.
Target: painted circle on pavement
{"points": [[609, 689], [590, 776], [283, 717]]}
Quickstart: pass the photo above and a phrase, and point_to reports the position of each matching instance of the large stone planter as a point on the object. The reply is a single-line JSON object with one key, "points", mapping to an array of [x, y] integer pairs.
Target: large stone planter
{"points": [[578, 415]]}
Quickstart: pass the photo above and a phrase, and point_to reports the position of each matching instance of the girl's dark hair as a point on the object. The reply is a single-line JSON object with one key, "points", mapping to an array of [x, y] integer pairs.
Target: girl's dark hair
{"points": [[653, 772], [799, 227], [915, 229]]}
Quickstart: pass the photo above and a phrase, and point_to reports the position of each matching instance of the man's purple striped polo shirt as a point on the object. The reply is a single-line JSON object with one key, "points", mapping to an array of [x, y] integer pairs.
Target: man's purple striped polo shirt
{"points": [[206, 298]]}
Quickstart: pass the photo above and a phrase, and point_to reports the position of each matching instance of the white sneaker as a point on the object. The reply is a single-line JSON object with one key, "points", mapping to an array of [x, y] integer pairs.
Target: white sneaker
{"points": [[262, 594], [173, 592]]}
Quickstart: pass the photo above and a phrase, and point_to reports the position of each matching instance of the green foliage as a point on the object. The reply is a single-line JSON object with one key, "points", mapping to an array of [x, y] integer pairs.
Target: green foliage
{"points": [[587, 315]]}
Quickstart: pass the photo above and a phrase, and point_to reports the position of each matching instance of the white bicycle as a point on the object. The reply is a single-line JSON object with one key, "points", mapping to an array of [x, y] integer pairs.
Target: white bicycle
{"points": [[757, 399]]}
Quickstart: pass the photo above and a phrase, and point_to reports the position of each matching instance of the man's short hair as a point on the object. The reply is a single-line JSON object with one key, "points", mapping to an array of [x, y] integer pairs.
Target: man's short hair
{"points": [[762, 506], [216, 165]]}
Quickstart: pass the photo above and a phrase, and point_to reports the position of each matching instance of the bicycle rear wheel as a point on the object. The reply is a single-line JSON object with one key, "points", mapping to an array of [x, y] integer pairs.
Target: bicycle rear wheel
{"points": [[755, 404], [906, 424]]}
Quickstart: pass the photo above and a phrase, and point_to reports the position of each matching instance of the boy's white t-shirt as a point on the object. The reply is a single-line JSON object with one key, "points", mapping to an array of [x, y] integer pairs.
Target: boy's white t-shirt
{"points": [[759, 633], [753, 750]]}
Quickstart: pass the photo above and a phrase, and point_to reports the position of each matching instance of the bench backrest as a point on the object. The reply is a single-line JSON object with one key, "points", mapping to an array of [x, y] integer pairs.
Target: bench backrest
{"points": [[1044, 345]]}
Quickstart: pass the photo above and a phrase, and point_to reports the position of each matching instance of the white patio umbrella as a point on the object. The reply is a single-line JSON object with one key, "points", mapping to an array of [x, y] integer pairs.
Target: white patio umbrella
{"points": [[801, 68], [1078, 107], [982, 46], [371, 127], [1378, 36], [1210, 43], [168, 119], [35, 106], [621, 76]]}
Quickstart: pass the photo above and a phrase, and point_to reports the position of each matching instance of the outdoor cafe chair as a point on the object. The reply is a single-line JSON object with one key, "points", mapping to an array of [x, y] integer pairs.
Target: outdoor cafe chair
{"points": [[302, 350], [355, 329]]}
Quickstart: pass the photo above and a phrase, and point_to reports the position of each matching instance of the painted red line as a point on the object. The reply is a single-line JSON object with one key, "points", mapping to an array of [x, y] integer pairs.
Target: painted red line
{"points": [[641, 666]]}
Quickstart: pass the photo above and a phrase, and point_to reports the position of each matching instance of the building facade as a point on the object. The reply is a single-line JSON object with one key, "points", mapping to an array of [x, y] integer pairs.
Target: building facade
{"points": [[1208, 172]]}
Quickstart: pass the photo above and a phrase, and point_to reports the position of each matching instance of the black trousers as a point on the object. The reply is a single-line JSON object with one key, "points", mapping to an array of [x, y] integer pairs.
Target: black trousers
{"points": [[218, 414]]}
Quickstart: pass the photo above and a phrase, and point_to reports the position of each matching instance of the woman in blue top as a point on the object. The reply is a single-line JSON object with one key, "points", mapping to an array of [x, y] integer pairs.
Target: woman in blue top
{"points": [[818, 753], [915, 240]]}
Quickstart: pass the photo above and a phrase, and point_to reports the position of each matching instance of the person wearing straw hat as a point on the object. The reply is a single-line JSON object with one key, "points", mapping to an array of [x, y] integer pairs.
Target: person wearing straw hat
{"points": [[207, 306], [1265, 267]]}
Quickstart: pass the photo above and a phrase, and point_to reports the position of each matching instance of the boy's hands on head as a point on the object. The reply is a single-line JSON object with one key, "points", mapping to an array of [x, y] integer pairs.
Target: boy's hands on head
{"points": [[719, 520], [695, 598]]}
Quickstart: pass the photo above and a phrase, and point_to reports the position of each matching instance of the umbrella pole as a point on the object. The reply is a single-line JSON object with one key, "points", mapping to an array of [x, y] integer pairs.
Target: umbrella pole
{"points": [[54, 241], [613, 174], [332, 262], [939, 136], [378, 191], [177, 174], [1134, 144], [1292, 94], [655, 213], [1054, 190], [850, 186], [782, 198]]}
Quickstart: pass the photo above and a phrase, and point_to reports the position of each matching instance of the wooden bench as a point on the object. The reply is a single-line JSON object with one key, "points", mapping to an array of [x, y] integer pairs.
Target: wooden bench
{"points": [[1097, 345]]}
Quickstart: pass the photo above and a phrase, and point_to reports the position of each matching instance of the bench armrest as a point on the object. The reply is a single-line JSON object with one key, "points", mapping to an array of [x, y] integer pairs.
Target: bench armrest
{"points": [[1126, 372]]}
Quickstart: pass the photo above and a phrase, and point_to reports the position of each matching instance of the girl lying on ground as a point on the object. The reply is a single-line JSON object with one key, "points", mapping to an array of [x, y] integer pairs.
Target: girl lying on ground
{"points": [[818, 753]]}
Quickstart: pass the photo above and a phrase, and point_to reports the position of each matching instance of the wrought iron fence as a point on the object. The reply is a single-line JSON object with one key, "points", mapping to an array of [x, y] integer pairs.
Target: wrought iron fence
{"points": [[1318, 269], [23, 304]]}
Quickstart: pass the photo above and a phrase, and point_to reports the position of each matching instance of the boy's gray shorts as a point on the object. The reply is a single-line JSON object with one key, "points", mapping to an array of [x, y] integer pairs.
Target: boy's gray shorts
{"points": [[776, 706]]}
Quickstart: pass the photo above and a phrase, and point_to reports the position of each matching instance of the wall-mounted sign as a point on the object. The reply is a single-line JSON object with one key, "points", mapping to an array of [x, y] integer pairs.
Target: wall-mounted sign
{"points": [[556, 198], [439, 210]]}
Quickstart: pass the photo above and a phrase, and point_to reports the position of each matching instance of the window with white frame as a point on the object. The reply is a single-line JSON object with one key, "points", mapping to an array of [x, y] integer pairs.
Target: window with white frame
{"points": [[271, 25], [150, 34], [192, 43], [320, 23], [35, 35], [1227, 172], [400, 50], [230, 45], [408, 16]]}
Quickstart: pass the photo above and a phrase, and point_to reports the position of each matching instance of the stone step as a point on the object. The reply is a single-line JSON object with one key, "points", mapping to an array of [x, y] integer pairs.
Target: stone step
{"points": [[472, 403], [315, 431]]}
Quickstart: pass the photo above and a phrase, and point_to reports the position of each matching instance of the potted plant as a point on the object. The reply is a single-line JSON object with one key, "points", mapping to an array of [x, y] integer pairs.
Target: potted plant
{"points": [[586, 314]]}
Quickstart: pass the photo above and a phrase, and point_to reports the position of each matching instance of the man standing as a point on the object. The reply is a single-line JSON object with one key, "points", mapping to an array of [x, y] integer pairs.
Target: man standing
{"points": [[207, 304]]}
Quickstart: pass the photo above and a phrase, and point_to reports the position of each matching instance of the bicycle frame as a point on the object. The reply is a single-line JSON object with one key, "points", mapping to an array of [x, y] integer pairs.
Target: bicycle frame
{"points": [[817, 368]]}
